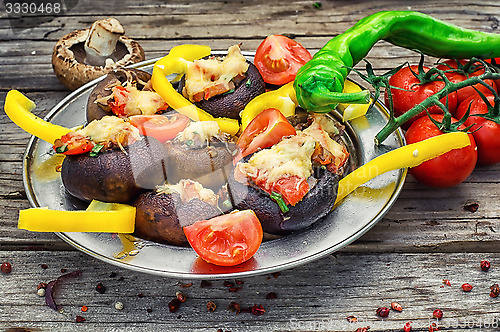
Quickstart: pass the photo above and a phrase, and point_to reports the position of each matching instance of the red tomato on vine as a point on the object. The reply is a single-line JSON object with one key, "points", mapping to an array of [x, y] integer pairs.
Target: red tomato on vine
{"points": [[447, 170], [408, 91]]}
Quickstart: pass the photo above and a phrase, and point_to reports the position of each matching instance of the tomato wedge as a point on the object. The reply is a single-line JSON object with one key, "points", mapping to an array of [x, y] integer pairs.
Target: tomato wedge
{"points": [[162, 127], [278, 58], [72, 143], [120, 98], [291, 188], [265, 130], [226, 240]]}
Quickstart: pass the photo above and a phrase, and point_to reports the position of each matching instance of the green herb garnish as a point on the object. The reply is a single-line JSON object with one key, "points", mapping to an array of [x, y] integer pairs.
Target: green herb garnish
{"points": [[62, 148], [248, 83], [189, 142], [278, 198], [96, 149]]}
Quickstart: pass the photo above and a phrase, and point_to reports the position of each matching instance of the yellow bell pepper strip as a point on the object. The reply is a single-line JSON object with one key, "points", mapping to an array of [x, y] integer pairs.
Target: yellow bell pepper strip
{"points": [[410, 155], [98, 217], [18, 108], [176, 62], [282, 99], [352, 111]]}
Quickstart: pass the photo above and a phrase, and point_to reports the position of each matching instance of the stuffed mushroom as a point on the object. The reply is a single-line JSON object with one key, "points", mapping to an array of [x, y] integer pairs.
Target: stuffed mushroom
{"points": [[222, 86], [109, 161], [200, 152], [292, 184], [161, 214], [124, 92]]}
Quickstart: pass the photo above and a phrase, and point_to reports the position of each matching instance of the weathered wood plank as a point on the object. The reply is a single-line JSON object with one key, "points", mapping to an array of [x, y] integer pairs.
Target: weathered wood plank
{"points": [[317, 296]]}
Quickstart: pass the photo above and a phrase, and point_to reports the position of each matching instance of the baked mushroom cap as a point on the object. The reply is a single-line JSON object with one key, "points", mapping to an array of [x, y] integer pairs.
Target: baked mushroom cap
{"points": [[80, 57]]}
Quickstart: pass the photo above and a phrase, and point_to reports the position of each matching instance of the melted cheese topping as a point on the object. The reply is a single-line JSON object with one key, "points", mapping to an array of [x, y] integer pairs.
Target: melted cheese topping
{"points": [[110, 129], [290, 157], [143, 102], [199, 132], [205, 76], [189, 190]]}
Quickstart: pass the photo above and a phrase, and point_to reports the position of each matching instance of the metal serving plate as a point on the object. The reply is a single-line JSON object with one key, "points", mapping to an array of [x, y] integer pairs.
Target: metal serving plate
{"points": [[360, 211]]}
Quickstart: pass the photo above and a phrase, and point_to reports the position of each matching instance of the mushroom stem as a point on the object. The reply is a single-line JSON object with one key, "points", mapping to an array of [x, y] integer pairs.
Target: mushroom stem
{"points": [[101, 41]]}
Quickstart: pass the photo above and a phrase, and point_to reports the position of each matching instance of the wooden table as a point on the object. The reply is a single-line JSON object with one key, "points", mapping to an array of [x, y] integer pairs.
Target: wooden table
{"points": [[426, 237]]}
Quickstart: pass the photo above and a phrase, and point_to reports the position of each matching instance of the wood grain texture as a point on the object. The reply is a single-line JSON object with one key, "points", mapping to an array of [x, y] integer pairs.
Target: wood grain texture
{"points": [[426, 237]]}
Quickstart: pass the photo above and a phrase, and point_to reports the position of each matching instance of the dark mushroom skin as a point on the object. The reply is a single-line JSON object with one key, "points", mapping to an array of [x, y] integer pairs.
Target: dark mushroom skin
{"points": [[120, 76], [114, 175], [230, 105], [206, 165], [160, 217], [314, 205]]}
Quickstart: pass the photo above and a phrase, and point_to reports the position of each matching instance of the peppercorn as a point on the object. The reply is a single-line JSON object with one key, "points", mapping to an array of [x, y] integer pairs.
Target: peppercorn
{"points": [[239, 282], [438, 314], [211, 306], [41, 292], [258, 310], [100, 288], [467, 287], [271, 295], [181, 297], [485, 265], [407, 327], [118, 305], [396, 306], [495, 290], [234, 289], [446, 282], [174, 305], [228, 284], [79, 319], [6, 267], [44, 266], [205, 283], [234, 307], [84, 308], [383, 312], [352, 319]]}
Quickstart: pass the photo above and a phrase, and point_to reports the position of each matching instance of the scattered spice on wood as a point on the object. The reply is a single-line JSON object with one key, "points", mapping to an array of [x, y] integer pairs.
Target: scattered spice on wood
{"points": [[437, 314], [44, 266], [467, 287], [84, 308], [174, 305], [239, 282], [211, 306], [363, 329], [234, 289], [6, 267], [276, 274], [396, 306], [52, 286], [180, 296], [100, 288], [258, 310], [119, 306], [407, 327], [41, 292], [352, 319], [112, 274], [41, 285], [228, 284], [64, 270], [205, 283], [495, 290], [79, 319], [433, 327], [485, 265], [187, 285], [149, 310], [471, 207], [383, 312], [271, 296], [446, 282]]}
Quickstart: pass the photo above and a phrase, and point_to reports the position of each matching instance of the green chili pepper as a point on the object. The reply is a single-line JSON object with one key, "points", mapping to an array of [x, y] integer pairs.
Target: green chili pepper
{"points": [[319, 82]]}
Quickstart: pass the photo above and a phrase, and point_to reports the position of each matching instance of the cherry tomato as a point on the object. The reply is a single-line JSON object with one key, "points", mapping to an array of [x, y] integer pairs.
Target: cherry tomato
{"points": [[486, 133], [120, 98], [162, 127], [468, 91], [415, 93], [265, 130], [291, 188], [278, 58], [226, 240], [71, 144], [448, 169]]}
